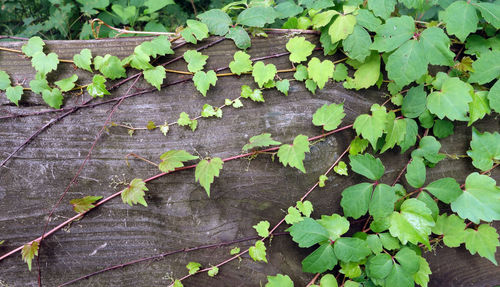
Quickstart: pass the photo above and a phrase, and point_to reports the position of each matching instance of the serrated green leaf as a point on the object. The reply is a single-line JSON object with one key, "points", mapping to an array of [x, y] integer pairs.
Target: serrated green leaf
{"points": [[335, 224], [311, 86], [305, 207], [490, 12], [213, 271], [134, 193], [193, 267], [382, 8], [209, 111], [177, 283], [413, 224], [393, 33], [349, 249], [301, 73], [442, 128], [293, 215], [342, 27], [283, 86], [396, 130], [356, 199], [262, 228], [382, 201], [485, 149], [196, 60], [358, 145], [195, 31], [407, 64], [206, 171], [263, 73], [240, 37], [39, 83], [83, 60], [237, 104], [357, 45], [14, 94], [202, 81], [217, 21], [408, 260], [234, 251], [279, 281], [329, 116], [415, 173], [340, 73], [287, 9], [480, 199], [319, 71], [155, 5], [67, 83], [173, 159], [445, 189], [372, 127], [436, 46], [430, 203], [322, 19], [97, 87], [81, 205], [53, 98], [320, 260], [366, 75], [379, 266], [484, 241], [340, 168], [254, 95], [460, 19], [156, 76], [452, 228], [422, 275], [373, 241], [410, 135], [389, 242], [321, 180], [29, 251], [262, 140], [258, 251], [486, 68], [308, 232], [295, 153], [33, 46], [110, 66], [367, 165], [366, 19], [184, 120], [257, 16], [478, 108], [4, 80], [44, 63], [241, 63], [299, 49], [429, 150], [399, 277]]}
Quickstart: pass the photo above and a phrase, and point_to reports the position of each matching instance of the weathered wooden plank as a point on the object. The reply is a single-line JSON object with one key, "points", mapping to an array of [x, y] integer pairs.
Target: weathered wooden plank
{"points": [[179, 213]]}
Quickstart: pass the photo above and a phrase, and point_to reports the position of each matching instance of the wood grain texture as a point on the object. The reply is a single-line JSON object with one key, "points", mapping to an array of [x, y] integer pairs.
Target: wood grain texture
{"points": [[179, 213]]}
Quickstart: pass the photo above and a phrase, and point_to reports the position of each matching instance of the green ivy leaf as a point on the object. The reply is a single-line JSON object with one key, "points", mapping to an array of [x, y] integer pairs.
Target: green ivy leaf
{"points": [[279, 281], [413, 224], [478, 108], [184, 120], [295, 153], [366, 19], [485, 149], [382, 8], [33, 46], [430, 203], [393, 33], [408, 260], [396, 131], [68, 83], [357, 45], [293, 215], [367, 166], [210, 111], [97, 87], [415, 173], [422, 275], [311, 86], [262, 140], [4, 80], [445, 189], [155, 5], [217, 21], [329, 116], [452, 101], [110, 66], [134, 193], [83, 60], [340, 168], [237, 104], [484, 241], [213, 271], [479, 201], [340, 73], [53, 98], [410, 136], [173, 159], [452, 228], [366, 75], [234, 251], [356, 199], [399, 277], [241, 63], [82, 205], [195, 31], [177, 283], [258, 251], [206, 171], [45, 63], [335, 224], [156, 76], [460, 19], [407, 64], [193, 267], [240, 37], [202, 81], [283, 86], [308, 232], [301, 73], [299, 49], [342, 27], [320, 260], [373, 241], [14, 94], [372, 127], [262, 228], [257, 16], [263, 73], [389, 242], [287, 9], [254, 95], [436, 45], [321, 180], [349, 249], [39, 83], [358, 145], [29, 251], [328, 280], [382, 201], [319, 71], [305, 207], [490, 12], [379, 266], [195, 60], [486, 68]]}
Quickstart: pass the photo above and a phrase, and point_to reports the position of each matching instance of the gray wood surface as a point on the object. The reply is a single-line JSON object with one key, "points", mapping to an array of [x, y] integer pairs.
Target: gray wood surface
{"points": [[179, 213]]}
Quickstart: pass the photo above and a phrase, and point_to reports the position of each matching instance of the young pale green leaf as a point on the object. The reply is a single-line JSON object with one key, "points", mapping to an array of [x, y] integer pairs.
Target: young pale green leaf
{"points": [[262, 228], [217, 21], [340, 168], [97, 87], [295, 153], [356, 199], [460, 19], [39, 84], [396, 131], [67, 83], [240, 37], [234, 251], [429, 150], [263, 73], [110, 66], [210, 111], [4, 80], [262, 140], [206, 171], [184, 120], [311, 86], [257, 16], [177, 283], [29, 251], [357, 45], [366, 19], [305, 207], [415, 173], [335, 224], [340, 72], [393, 33], [213, 271], [349, 249], [195, 31], [279, 281], [485, 149], [407, 64], [379, 266], [83, 60], [202, 81], [82, 205], [159, 46], [445, 189], [436, 46], [382, 8], [486, 68], [342, 27], [237, 104], [45, 63], [14, 94], [283, 86], [367, 165], [452, 228], [366, 75], [413, 224], [321, 180], [452, 101], [479, 201], [319, 71], [308, 232], [193, 267], [155, 76], [258, 251], [293, 215], [241, 63], [53, 98], [320, 260], [301, 73], [173, 159], [329, 116], [414, 102], [33, 46], [358, 145], [134, 193], [299, 49], [422, 275], [478, 108], [254, 95], [322, 19], [195, 60], [372, 127], [382, 201], [484, 241]]}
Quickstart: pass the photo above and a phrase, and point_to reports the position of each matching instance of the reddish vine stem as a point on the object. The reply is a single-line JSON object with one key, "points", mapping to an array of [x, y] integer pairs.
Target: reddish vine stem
{"points": [[99, 203], [162, 255], [313, 280]]}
